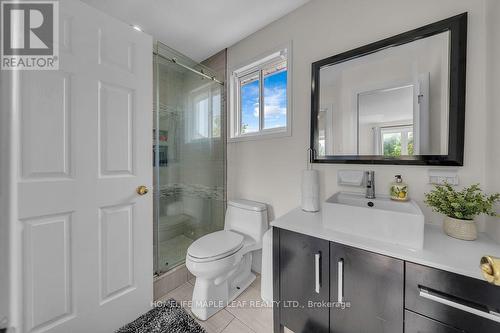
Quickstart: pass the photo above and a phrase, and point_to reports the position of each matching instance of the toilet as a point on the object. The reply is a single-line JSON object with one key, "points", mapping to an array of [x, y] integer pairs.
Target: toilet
{"points": [[221, 261]]}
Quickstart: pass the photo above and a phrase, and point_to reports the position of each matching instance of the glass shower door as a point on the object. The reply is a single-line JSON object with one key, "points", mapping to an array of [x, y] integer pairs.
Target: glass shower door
{"points": [[189, 150]]}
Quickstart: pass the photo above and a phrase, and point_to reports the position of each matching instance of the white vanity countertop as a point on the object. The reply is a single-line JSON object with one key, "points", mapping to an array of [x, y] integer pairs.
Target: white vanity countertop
{"points": [[440, 251]]}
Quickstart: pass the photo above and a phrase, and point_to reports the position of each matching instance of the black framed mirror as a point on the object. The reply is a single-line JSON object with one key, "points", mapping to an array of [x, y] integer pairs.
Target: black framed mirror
{"points": [[400, 100]]}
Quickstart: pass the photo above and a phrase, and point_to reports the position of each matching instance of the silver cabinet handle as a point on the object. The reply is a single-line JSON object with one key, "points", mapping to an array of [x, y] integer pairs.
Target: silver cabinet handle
{"points": [[317, 285], [340, 281], [433, 297]]}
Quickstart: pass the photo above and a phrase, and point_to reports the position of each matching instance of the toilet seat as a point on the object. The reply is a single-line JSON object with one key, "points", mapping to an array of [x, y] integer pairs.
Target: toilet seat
{"points": [[214, 246]]}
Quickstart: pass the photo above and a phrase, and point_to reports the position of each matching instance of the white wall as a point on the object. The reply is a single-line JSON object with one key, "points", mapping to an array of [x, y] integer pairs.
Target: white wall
{"points": [[493, 107], [269, 170]]}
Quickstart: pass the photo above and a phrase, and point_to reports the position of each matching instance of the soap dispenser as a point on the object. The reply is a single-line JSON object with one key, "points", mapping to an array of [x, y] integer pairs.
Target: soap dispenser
{"points": [[399, 190]]}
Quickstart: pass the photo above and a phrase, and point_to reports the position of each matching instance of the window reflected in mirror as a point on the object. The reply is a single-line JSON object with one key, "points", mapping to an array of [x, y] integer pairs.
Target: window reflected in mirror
{"points": [[390, 103], [204, 116]]}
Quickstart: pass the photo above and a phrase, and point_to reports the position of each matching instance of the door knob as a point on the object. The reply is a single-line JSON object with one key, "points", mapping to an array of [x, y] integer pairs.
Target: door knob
{"points": [[141, 190]]}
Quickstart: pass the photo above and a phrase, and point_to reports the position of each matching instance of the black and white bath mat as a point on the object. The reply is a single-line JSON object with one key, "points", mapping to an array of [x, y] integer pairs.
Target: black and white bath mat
{"points": [[169, 317]]}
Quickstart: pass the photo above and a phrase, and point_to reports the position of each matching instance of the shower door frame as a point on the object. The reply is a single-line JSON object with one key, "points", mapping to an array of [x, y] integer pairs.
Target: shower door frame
{"points": [[156, 152]]}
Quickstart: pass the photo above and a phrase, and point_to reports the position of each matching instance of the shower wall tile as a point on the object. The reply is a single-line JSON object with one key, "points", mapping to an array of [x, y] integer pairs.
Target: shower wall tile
{"points": [[218, 62]]}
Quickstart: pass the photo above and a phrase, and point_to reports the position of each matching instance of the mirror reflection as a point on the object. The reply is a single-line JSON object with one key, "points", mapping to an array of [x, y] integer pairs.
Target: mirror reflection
{"points": [[391, 103]]}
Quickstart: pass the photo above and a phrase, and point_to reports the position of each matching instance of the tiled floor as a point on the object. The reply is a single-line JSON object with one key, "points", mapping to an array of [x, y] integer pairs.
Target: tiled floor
{"points": [[242, 317]]}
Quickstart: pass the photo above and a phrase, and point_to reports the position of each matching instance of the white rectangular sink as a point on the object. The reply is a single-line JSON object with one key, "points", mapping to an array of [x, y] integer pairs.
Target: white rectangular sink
{"points": [[400, 223]]}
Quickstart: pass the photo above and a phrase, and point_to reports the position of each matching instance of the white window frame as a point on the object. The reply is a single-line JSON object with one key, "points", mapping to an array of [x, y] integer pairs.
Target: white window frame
{"points": [[404, 130], [254, 65]]}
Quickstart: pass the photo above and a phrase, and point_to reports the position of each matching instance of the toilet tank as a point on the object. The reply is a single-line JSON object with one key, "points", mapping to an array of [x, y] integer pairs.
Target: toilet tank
{"points": [[247, 217]]}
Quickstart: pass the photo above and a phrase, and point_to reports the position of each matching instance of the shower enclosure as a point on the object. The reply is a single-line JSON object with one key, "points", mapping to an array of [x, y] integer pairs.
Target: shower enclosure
{"points": [[189, 155]]}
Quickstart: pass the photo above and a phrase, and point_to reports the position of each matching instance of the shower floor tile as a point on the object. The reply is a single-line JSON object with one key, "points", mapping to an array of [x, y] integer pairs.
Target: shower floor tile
{"points": [[173, 252]]}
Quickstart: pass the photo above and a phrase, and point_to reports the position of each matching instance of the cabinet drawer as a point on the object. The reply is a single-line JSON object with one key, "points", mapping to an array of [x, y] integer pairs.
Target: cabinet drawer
{"points": [[415, 323], [466, 303]]}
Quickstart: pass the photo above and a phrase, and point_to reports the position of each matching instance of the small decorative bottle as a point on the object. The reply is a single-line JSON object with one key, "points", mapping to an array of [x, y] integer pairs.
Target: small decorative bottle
{"points": [[399, 190]]}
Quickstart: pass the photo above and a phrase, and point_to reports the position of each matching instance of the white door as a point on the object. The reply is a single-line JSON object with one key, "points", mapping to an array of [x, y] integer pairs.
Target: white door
{"points": [[84, 236]]}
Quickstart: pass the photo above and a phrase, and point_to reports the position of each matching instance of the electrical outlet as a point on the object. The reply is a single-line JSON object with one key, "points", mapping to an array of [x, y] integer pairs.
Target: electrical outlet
{"points": [[440, 177]]}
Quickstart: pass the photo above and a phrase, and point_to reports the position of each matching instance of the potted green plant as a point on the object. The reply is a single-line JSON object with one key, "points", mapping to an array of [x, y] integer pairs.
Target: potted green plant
{"points": [[460, 208]]}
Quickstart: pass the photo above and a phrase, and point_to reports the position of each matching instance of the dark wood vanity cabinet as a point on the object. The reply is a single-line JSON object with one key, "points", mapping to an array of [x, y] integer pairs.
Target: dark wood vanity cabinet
{"points": [[415, 323], [304, 282], [370, 286], [324, 286], [328, 287], [467, 304]]}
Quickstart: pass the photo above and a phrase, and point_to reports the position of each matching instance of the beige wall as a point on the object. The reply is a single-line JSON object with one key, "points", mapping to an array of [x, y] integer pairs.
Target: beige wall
{"points": [[269, 170]]}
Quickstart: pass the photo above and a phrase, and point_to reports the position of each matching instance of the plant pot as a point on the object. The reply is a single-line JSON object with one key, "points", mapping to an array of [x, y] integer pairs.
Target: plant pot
{"points": [[461, 229]]}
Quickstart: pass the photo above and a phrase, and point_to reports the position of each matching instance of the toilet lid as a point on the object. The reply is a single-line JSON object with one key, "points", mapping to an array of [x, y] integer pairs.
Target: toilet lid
{"points": [[216, 244]]}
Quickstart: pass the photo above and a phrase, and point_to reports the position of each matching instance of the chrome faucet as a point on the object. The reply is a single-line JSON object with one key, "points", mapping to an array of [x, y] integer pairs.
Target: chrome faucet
{"points": [[370, 184]]}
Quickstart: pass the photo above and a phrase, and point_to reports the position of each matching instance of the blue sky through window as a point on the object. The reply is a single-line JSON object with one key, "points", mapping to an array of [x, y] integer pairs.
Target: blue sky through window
{"points": [[275, 100], [250, 107], [275, 103]]}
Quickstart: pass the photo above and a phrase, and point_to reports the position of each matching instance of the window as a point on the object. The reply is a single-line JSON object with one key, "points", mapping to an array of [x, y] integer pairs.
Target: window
{"points": [[201, 129], [397, 141], [205, 120], [260, 98]]}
